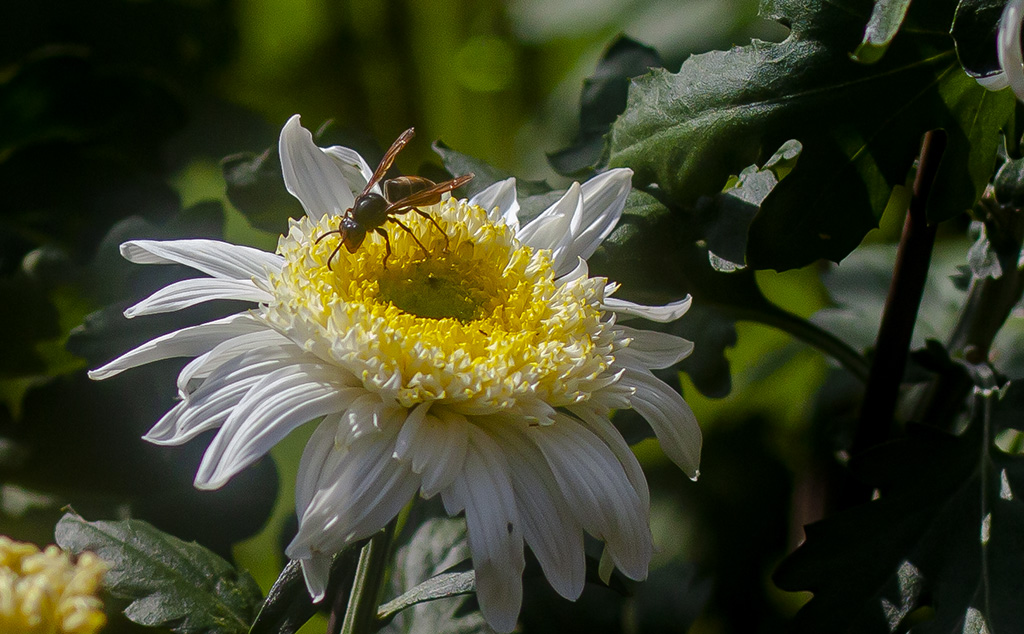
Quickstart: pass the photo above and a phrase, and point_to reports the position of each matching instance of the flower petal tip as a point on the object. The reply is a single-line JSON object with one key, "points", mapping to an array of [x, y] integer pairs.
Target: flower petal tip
{"points": [[624, 173], [211, 483], [163, 441]]}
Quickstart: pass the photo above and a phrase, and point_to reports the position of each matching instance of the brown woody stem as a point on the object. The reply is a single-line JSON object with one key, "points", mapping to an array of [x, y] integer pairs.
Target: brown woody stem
{"points": [[901, 306]]}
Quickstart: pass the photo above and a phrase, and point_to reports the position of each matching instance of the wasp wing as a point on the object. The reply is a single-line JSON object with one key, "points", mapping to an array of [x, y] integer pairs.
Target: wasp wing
{"points": [[389, 158], [429, 196]]}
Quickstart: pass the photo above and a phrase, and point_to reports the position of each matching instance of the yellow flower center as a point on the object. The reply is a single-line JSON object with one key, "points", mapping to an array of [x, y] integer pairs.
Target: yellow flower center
{"points": [[44, 591], [435, 288], [472, 319]]}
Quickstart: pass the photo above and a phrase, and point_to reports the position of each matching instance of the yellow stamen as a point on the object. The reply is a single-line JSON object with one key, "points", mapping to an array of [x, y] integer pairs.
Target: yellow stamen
{"points": [[479, 323], [45, 592]]}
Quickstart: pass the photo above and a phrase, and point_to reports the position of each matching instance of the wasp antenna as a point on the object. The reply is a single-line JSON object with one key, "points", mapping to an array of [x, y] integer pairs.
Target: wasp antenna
{"points": [[325, 234], [331, 257]]}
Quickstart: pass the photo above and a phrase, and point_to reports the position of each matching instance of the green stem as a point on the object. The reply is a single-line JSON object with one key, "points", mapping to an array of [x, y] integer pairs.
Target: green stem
{"points": [[813, 335], [361, 615], [989, 303]]}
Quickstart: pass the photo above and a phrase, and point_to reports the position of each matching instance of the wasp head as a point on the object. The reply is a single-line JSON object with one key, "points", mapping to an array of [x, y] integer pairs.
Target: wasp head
{"points": [[352, 234]]}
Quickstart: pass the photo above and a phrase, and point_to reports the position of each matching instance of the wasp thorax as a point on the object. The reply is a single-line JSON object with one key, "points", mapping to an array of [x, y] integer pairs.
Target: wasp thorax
{"points": [[370, 210]]}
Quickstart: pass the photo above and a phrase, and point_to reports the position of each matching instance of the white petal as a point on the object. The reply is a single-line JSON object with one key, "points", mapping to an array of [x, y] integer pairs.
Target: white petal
{"points": [[581, 271], [409, 436], [652, 349], [603, 429], [500, 196], [599, 492], [310, 175], [661, 314], [194, 291], [279, 403], [1008, 45], [448, 461], [670, 417], [184, 421], [321, 445], [551, 229], [211, 404], [435, 448], [383, 500], [994, 82], [187, 342], [358, 490], [354, 168], [550, 529], [316, 571], [495, 535], [333, 473], [269, 343], [217, 259], [367, 415], [604, 197]]}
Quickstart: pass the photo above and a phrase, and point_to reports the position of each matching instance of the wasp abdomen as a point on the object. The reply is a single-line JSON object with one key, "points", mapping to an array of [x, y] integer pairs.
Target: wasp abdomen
{"points": [[405, 186]]}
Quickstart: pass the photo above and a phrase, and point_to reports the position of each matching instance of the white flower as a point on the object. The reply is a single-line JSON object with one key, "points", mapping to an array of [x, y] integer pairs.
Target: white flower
{"points": [[1008, 50], [484, 370]]}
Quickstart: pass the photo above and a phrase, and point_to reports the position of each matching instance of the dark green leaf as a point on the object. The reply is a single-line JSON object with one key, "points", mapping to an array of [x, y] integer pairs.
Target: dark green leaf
{"points": [[657, 259], [975, 29], [858, 287], [940, 542], [65, 96], [671, 599], [1011, 404], [1009, 183], [442, 586], [288, 605], [187, 42], [458, 163], [34, 320], [435, 546], [987, 260], [728, 214], [603, 99], [886, 18], [255, 187], [102, 129], [860, 127], [169, 582]]}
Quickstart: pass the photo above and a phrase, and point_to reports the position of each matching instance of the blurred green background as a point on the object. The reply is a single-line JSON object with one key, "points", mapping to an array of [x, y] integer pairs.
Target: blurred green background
{"points": [[114, 119]]}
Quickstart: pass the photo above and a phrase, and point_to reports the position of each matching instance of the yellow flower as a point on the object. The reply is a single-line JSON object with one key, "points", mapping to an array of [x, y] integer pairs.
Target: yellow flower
{"points": [[482, 365], [45, 592]]}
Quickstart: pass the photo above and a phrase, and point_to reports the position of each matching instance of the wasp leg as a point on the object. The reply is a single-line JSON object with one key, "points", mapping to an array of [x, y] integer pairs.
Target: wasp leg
{"points": [[409, 231], [433, 222], [387, 245]]}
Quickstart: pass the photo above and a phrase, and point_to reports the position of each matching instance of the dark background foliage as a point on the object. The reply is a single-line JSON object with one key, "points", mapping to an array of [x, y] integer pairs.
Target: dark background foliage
{"points": [[125, 119]]}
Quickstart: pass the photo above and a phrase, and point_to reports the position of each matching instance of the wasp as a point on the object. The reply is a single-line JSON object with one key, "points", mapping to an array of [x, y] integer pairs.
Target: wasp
{"points": [[371, 210]]}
